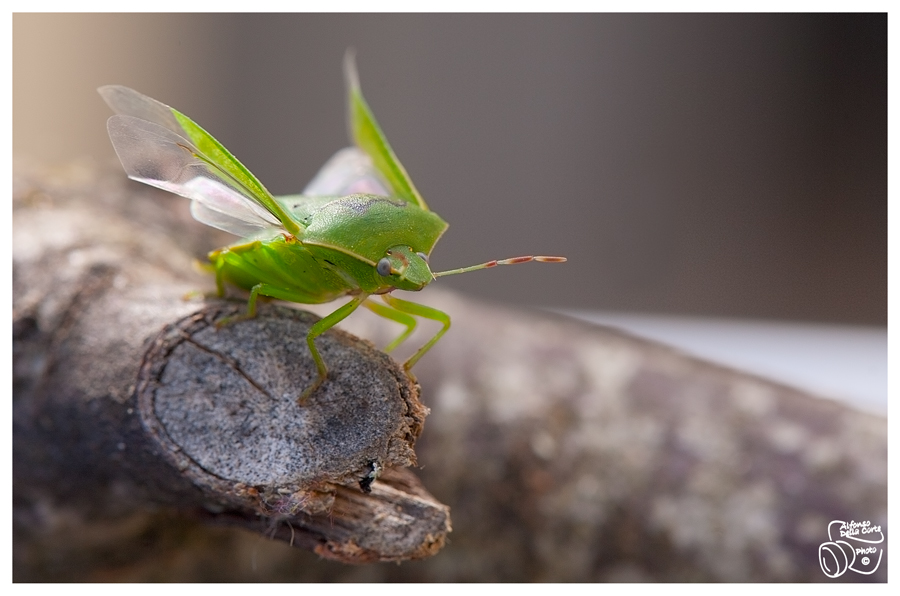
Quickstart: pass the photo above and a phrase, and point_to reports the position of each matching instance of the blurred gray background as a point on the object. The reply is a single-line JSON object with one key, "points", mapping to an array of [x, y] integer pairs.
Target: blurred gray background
{"points": [[724, 165]]}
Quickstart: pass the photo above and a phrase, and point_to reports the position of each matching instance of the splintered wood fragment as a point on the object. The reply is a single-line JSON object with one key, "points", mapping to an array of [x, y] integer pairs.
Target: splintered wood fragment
{"points": [[396, 521]]}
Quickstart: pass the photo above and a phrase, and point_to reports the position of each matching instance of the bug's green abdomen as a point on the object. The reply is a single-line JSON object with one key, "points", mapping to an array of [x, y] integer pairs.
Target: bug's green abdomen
{"points": [[288, 269], [369, 225]]}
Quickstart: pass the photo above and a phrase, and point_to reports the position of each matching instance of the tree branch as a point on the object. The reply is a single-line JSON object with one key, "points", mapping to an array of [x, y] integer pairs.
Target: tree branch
{"points": [[126, 396], [568, 452]]}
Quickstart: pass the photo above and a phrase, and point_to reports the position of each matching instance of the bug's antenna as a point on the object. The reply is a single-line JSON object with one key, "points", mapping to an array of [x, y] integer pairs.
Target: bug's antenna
{"points": [[512, 261]]}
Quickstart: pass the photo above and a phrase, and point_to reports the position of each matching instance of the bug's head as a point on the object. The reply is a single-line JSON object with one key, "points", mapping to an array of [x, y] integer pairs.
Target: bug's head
{"points": [[405, 269]]}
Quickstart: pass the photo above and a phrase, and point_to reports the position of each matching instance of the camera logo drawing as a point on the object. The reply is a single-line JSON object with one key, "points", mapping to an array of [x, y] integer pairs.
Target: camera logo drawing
{"points": [[852, 546]]}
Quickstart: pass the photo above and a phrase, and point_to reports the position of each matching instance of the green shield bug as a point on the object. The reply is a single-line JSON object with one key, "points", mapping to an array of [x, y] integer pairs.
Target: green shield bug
{"points": [[359, 229]]}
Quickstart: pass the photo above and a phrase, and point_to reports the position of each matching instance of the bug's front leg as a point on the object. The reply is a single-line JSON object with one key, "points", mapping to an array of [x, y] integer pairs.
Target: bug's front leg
{"points": [[389, 313], [422, 311], [318, 329]]}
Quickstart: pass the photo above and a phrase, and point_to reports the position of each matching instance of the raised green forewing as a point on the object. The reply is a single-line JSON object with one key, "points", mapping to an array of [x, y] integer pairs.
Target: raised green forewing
{"points": [[368, 136], [164, 148], [212, 150]]}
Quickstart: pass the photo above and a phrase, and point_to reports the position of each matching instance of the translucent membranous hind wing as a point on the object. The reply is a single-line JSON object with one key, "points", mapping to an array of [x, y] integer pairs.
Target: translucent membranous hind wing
{"points": [[349, 171], [159, 146]]}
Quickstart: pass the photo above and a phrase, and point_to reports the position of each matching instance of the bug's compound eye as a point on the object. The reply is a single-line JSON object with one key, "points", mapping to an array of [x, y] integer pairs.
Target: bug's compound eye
{"points": [[423, 256], [383, 267]]}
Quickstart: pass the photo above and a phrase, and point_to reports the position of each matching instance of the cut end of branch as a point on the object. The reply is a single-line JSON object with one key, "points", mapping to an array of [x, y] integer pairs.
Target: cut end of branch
{"points": [[222, 406]]}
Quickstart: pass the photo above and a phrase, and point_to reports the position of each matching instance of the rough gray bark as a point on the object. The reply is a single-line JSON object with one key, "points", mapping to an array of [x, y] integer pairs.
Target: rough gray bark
{"points": [[567, 452]]}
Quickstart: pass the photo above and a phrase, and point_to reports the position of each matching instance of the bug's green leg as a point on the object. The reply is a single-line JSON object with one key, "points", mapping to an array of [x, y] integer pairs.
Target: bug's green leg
{"points": [[422, 311], [214, 265], [318, 329], [394, 315], [220, 268], [251, 308]]}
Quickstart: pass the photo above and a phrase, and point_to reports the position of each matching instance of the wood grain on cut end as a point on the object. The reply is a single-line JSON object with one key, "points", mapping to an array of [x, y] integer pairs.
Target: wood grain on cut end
{"points": [[222, 403]]}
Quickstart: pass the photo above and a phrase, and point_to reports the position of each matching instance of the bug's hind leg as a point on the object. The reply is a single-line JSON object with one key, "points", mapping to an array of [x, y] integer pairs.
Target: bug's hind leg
{"points": [[251, 307], [411, 308], [214, 265], [318, 329], [392, 314], [218, 264]]}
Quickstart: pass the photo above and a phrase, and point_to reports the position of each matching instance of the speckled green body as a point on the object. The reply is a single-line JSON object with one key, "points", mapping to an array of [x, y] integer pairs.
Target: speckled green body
{"points": [[343, 240]]}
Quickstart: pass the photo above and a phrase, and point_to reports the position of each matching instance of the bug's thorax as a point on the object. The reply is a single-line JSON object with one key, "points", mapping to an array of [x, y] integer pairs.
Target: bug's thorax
{"points": [[370, 225]]}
